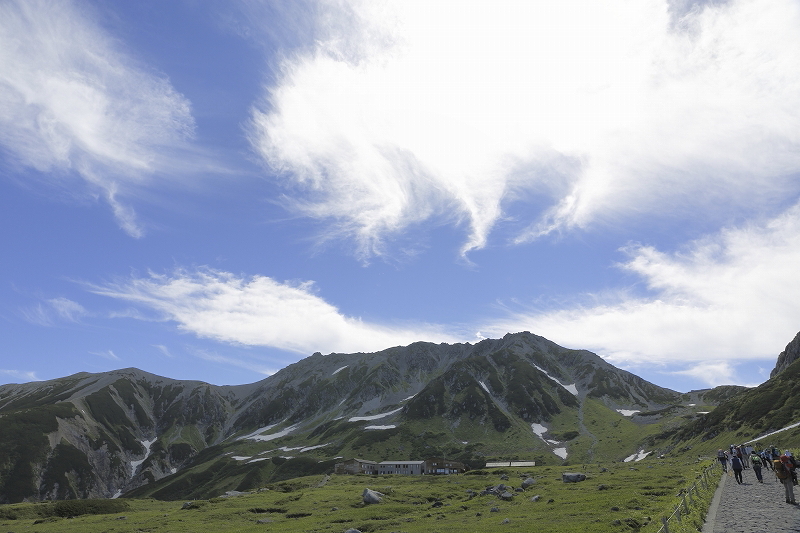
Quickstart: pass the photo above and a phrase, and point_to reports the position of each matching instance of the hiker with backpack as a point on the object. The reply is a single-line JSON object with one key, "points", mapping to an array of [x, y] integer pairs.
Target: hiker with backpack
{"points": [[783, 467], [723, 459], [736, 466], [755, 460]]}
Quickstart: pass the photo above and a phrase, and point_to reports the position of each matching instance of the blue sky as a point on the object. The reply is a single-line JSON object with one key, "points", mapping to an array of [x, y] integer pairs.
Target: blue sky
{"points": [[214, 190]]}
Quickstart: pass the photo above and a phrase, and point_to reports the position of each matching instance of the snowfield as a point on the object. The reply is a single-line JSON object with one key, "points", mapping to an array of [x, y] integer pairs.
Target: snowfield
{"points": [[373, 417]]}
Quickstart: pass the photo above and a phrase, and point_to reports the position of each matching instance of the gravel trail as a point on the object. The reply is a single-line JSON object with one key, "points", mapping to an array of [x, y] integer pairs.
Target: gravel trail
{"points": [[752, 507]]}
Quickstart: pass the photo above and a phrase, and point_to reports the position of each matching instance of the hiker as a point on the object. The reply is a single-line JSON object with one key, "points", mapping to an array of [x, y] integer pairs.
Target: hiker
{"points": [[755, 460], [746, 452], [766, 459], [740, 454], [783, 471], [736, 466], [793, 461], [723, 459]]}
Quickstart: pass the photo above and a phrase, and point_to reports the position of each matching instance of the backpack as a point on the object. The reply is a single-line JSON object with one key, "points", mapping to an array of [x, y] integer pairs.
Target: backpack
{"points": [[780, 469]]}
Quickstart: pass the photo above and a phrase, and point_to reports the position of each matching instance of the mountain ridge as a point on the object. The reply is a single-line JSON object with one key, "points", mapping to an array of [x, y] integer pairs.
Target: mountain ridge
{"points": [[102, 435]]}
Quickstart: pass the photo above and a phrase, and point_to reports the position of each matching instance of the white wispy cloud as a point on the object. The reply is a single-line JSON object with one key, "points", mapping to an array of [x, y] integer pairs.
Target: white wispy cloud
{"points": [[730, 296], [73, 103], [21, 375], [107, 354], [260, 311], [164, 350], [214, 357], [54, 311], [410, 111]]}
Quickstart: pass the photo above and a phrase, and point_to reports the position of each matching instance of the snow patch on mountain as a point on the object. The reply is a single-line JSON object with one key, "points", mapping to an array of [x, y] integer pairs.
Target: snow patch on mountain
{"points": [[373, 417], [256, 432], [774, 432], [638, 456], [135, 464], [561, 452], [570, 388], [271, 436], [539, 430]]}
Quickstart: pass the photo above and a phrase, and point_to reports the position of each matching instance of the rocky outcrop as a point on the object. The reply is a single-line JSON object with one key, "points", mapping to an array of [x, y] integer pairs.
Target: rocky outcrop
{"points": [[787, 356], [370, 496]]}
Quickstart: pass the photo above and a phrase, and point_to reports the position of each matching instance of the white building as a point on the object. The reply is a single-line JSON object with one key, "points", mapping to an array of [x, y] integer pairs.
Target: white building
{"points": [[409, 468]]}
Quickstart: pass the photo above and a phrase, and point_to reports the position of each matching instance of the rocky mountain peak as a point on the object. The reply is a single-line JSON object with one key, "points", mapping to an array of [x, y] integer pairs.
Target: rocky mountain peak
{"points": [[787, 356]]}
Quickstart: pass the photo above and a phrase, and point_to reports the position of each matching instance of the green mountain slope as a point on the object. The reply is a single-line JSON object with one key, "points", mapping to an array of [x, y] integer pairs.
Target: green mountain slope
{"points": [[519, 397]]}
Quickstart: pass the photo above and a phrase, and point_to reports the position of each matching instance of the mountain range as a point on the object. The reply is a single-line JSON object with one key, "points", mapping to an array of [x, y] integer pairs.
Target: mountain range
{"points": [[521, 397]]}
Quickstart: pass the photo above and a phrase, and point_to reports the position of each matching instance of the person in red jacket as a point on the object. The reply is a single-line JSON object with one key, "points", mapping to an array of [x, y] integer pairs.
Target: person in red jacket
{"points": [[784, 466]]}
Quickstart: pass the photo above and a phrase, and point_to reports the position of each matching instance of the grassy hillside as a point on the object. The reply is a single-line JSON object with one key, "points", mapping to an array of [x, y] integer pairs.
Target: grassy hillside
{"points": [[615, 497], [747, 417]]}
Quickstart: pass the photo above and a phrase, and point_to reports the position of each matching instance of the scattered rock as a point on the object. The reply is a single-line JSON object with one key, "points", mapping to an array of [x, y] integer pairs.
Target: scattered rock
{"points": [[536, 498], [528, 482], [187, 505], [519, 489], [602, 487], [352, 531], [371, 496], [233, 494], [264, 521], [504, 477], [615, 508], [572, 477], [551, 500], [505, 521], [437, 503], [507, 496], [334, 508], [122, 518], [494, 510]]}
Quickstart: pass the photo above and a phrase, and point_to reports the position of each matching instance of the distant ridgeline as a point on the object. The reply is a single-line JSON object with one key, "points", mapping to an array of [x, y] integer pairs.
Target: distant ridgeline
{"points": [[518, 398]]}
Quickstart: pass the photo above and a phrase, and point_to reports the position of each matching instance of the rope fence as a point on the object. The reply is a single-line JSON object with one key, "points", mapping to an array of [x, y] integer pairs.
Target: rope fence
{"points": [[697, 496]]}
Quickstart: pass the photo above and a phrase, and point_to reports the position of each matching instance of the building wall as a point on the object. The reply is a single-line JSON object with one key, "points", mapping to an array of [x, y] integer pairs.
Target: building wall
{"points": [[405, 468], [354, 466]]}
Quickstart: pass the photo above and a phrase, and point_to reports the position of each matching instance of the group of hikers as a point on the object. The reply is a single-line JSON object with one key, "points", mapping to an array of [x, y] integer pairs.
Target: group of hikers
{"points": [[783, 465]]}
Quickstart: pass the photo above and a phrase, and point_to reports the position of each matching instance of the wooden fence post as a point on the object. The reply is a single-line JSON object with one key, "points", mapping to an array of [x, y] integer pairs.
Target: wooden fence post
{"points": [[664, 524]]}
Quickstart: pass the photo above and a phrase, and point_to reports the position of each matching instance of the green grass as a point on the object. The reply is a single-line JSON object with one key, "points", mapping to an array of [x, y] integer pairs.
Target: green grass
{"points": [[615, 497]]}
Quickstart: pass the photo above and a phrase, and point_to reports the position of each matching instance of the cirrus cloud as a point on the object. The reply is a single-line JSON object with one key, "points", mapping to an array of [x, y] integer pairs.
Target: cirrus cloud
{"points": [[413, 111], [72, 103]]}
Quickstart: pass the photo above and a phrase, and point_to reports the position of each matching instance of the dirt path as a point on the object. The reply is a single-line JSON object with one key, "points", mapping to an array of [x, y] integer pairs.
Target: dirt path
{"points": [[752, 507]]}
